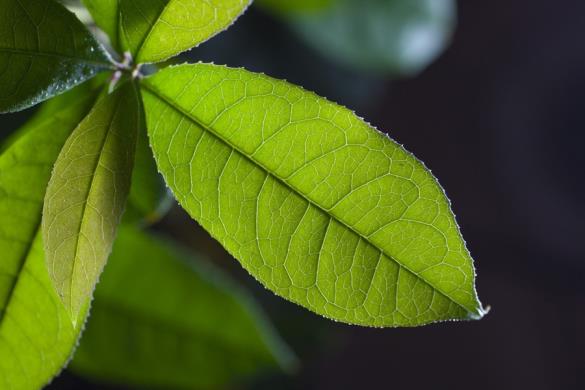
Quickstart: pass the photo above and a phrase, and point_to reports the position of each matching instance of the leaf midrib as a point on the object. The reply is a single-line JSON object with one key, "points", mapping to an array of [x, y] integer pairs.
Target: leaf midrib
{"points": [[146, 85], [33, 53], [150, 30], [83, 211], [21, 264]]}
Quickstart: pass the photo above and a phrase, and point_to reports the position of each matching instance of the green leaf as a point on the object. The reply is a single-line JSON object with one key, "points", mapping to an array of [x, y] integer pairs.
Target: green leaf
{"points": [[87, 194], [149, 199], [175, 323], [36, 336], [320, 207], [397, 36], [44, 51], [159, 29], [105, 14]]}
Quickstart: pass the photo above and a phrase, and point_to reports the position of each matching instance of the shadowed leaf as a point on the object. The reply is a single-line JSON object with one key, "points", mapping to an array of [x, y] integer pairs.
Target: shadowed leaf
{"points": [[44, 51]]}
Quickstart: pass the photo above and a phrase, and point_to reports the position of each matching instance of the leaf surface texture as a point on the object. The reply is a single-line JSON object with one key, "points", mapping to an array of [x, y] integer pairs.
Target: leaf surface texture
{"points": [[44, 51], [316, 204], [87, 194], [156, 30]]}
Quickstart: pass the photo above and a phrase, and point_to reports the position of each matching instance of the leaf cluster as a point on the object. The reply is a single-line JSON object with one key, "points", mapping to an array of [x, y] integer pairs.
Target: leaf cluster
{"points": [[316, 204]]}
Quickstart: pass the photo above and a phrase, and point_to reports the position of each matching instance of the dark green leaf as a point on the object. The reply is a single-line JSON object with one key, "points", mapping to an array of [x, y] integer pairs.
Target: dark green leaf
{"points": [[87, 194], [149, 199], [316, 204], [163, 319], [44, 51]]}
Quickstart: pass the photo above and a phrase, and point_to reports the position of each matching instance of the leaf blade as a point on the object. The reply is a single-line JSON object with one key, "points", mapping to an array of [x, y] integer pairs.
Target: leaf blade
{"points": [[44, 51], [87, 194], [166, 28], [43, 345], [195, 330], [270, 153]]}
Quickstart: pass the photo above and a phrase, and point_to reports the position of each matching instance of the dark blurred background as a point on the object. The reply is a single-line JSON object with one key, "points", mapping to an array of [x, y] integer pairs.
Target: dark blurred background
{"points": [[499, 117]]}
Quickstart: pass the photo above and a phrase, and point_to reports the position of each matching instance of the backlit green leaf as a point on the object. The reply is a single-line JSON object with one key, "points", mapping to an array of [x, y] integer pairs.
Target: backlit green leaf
{"points": [[44, 51], [163, 319], [87, 194], [398, 36], [36, 336], [320, 207], [156, 30]]}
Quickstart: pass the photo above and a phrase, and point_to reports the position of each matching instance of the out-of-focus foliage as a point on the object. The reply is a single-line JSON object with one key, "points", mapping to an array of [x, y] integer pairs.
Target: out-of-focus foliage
{"points": [[391, 36], [163, 319]]}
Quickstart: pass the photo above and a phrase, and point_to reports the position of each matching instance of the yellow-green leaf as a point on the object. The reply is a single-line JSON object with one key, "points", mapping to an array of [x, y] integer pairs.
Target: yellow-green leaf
{"points": [[87, 194], [316, 204], [36, 335], [156, 30]]}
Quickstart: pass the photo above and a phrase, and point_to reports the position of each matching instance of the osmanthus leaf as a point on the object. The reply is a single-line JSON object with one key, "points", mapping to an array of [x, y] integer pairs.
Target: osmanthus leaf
{"points": [[44, 51], [163, 319], [156, 30], [149, 199], [395, 36], [320, 207], [36, 336], [87, 193], [106, 16]]}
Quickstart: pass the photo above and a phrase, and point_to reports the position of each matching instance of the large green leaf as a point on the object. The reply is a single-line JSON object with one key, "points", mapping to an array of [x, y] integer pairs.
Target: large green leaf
{"points": [[320, 207], [156, 30], [87, 194], [44, 51], [399, 36], [36, 336], [106, 16], [164, 319]]}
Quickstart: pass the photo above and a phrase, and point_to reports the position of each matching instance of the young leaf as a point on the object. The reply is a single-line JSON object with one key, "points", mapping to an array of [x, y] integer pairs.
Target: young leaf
{"points": [[162, 319], [105, 14], [320, 207], [87, 194], [157, 30], [36, 337], [44, 51], [398, 36]]}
